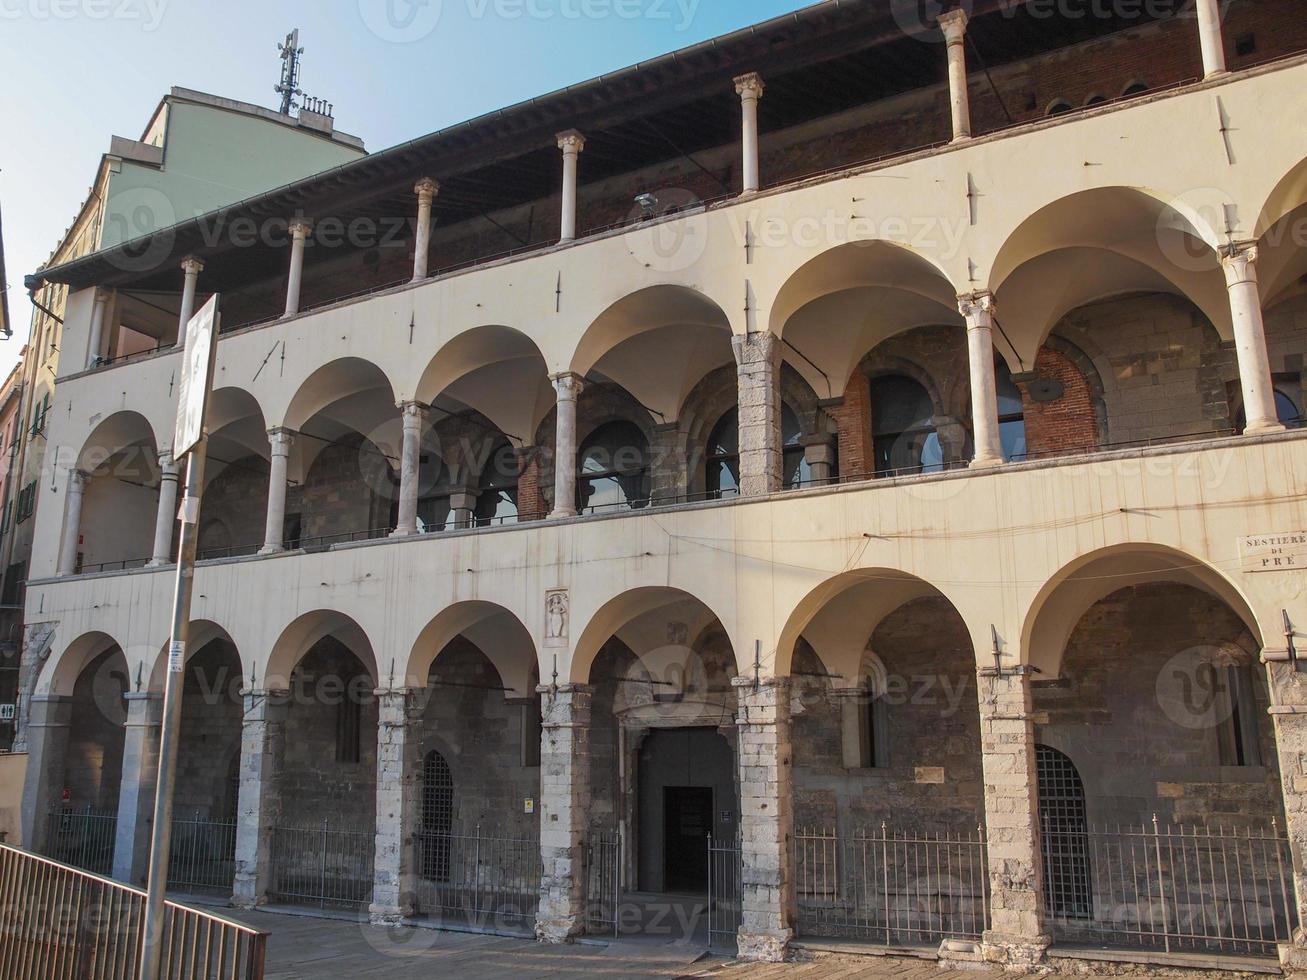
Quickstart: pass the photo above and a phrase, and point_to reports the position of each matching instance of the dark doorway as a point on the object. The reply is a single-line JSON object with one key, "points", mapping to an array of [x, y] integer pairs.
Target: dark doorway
{"points": [[687, 822]]}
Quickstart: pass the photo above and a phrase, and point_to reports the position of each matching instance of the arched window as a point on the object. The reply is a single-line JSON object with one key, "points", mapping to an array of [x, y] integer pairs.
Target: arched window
{"points": [[1133, 89], [437, 816], [613, 468], [723, 457], [1011, 412], [1060, 107], [497, 499], [1096, 99], [1064, 836], [903, 427], [1286, 408]]}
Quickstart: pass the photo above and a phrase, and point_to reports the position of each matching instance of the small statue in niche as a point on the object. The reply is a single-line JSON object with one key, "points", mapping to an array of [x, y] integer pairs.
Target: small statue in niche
{"points": [[556, 616]]}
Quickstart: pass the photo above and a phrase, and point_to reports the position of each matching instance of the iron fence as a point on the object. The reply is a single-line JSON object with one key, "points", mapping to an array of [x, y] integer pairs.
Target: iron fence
{"points": [[603, 867], [65, 924], [890, 886], [83, 838], [325, 866], [725, 890], [203, 854], [1188, 888], [484, 881]]}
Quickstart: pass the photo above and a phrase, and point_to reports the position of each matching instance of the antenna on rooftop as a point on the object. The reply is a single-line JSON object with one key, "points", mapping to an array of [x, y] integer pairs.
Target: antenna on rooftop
{"points": [[290, 72]]}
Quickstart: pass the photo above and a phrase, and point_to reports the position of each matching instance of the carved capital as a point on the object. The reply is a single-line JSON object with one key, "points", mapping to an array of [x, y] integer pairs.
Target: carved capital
{"points": [[978, 308], [571, 141], [567, 385], [1240, 263], [300, 228], [280, 438], [749, 86], [426, 189], [954, 25], [192, 266]]}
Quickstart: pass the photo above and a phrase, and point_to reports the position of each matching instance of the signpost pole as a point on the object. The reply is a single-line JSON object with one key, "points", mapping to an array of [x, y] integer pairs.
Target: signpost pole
{"points": [[192, 404]]}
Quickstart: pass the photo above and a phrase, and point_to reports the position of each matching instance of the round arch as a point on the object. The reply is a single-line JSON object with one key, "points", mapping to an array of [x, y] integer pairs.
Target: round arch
{"points": [[1288, 194], [60, 673], [202, 633], [299, 637], [1055, 611], [111, 437], [498, 633], [351, 385]]}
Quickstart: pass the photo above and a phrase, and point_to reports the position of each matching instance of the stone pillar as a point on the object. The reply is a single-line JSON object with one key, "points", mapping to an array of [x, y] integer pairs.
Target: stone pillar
{"points": [[165, 518], [274, 531], [1240, 263], [766, 818], [978, 308], [399, 793], [564, 811], [819, 453], [750, 88], [758, 362], [568, 387], [954, 26], [426, 189], [1016, 936], [414, 417], [300, 229], [1209, 36], [263, 745], [191, 269], [77, 481], [571, 143], [95, 342], [462, 507], [47, 753], [131, 849]]}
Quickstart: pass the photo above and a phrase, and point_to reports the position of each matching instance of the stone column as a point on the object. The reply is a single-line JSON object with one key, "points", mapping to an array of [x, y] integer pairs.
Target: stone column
{"points": [[47, 753], [564, 811], [758, 363], [568, 387], [750, 88], [263, 745], [77, 481], [414, 417], [399, 793], [819, 453], [954, 26], [571, 143], [462, 507], [96, 340], [165, 518], [1209, 36], [274, 530], [978, 308], [300, 229], [1016, 936], [426, 189], [191, 269], [766, 818], [1240, 264], [131, 850]]}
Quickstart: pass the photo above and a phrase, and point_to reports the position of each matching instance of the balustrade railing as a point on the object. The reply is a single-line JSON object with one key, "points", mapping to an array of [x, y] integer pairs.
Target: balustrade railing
{"points": [[322, 865]]}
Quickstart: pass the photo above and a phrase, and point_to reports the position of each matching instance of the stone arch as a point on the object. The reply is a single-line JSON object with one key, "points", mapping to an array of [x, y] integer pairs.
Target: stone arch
{"points": [[497, 632], [60, 673], [1059, 605], [202, 633], [1288, 194], [299, 637], [345, 380]]}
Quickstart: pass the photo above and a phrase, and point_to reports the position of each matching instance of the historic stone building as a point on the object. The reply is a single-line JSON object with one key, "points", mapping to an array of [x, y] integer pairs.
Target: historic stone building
{"points": [[814, 470]]}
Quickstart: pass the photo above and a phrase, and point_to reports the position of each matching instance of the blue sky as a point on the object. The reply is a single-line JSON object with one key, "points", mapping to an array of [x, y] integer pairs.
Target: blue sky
{"points": [[78, 71]]}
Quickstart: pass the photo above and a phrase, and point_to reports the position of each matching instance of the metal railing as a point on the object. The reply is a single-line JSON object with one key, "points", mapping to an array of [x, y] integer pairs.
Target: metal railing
{"points": [[203, 854], [65, 924], [484, 881], [83, 838], [1176, 888], [725, 891], [890, 886], [323, 866], [603, 868]]}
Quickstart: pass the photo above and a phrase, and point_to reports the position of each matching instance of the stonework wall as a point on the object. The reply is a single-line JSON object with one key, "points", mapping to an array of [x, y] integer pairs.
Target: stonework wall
{"points": [[231, 516], [208, 754], [93, 766], [1130, 709]]}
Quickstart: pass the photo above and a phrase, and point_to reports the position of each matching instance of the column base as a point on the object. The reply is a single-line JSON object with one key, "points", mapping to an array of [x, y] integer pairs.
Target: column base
{"points": [[961, 138], [271, 550], [1262, 428], [389, 916], [1015, 953], [985, 462], [764, 947], [559, 931], [246, 895], [403, 533], [562, 514], [158, 562]]}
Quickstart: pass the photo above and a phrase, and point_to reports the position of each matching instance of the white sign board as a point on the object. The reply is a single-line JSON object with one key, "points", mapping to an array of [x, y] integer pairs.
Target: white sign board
{"points": [[1273, 552], [193, 386]]}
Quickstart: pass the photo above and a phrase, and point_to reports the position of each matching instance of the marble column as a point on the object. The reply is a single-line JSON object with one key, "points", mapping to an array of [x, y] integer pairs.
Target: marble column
{"points": [[954, 26], [571, 143], [1240, 264], [95, 342], [414, 417], [263, 747], [426, 189], [300, 229], [978, 308], [750, 88], [568, 388], [1210, 39], [76, 490], [274, 529], [564, 811], [165, 518], [191, 269]]}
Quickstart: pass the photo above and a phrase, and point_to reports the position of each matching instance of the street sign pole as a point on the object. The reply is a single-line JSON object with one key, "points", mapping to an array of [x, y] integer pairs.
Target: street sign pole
{"points": [[192, 404]]}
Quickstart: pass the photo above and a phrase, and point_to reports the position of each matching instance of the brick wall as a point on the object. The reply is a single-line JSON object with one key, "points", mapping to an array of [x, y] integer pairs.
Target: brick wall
{"points": [[1066, 424]]}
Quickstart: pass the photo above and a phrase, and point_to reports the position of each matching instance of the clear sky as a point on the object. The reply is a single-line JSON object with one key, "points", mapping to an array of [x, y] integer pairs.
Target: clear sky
{"points": [[76, 72]]}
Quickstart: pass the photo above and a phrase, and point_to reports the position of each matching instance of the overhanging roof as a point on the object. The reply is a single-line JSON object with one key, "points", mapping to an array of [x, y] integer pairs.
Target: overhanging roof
{"points": [[823, 59]]}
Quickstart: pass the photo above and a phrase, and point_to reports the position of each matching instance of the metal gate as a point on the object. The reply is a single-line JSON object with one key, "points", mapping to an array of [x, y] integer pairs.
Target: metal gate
{"points": [[603, 870], [725, 889], [323, 866], [83, 838], [483, 881], [203, 854]]}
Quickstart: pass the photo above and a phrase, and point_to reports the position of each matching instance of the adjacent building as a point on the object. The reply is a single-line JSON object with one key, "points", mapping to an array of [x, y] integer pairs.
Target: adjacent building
{"points": [[846, 476]]}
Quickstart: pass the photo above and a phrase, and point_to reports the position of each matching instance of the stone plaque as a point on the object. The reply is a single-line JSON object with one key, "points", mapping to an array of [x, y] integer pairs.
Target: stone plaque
{"points": [[1273, 552], [930, 775]]}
